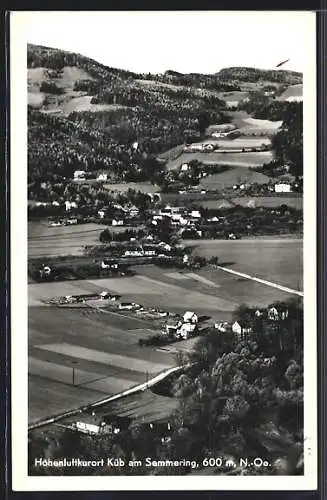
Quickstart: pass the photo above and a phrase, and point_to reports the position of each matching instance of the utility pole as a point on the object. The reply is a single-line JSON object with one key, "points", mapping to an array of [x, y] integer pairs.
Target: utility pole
{"points": [[74, 363]]}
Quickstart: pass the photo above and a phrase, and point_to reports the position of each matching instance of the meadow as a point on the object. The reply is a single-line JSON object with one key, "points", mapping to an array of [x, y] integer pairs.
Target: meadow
{"points": [[230, 159]]}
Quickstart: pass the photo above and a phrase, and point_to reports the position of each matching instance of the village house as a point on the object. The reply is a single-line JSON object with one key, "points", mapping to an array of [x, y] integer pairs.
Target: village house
{"points": [[102, 177], [208, 147], [137, 252], [259, 313], [69, 205], [190, 317], [283, 187], [109, 264], [275, 314], [107, 296], [195, 214], [241, 328], [133, 211], [117, 222], [185, 167], [165, 246], [149, 250], [79, 175], [223, 326]]}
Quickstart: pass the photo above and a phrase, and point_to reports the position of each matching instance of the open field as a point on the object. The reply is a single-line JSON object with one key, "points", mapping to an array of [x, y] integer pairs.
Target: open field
{"points": [[293, 93], [232, 176], [70, 100], [233, 98], [62, 240], [270, 201], [144, 187], [172, 153], [239, 142], [83, 103], [248, 125], [149, 291], [228, 287], [78, 356], [99, 351], [276, 259], [145, 407], [249, 201], [217, 203], [232, 159]]}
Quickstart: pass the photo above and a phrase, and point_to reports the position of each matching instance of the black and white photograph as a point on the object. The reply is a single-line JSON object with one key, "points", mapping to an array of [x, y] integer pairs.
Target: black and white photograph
{"points": [[163, 178]]}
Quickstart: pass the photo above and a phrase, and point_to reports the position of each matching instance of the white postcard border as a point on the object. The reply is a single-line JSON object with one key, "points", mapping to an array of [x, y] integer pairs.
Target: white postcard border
{"points": [[19, 335]]}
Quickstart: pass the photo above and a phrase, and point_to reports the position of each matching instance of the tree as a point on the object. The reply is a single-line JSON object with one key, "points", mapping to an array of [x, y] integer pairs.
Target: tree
{"points": [[203, 122], [105, 236]]}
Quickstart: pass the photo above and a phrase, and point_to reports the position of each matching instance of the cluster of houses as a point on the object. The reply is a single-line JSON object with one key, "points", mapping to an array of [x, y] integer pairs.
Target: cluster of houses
{"points": [[200, 147], [245, 328], [281, 186], [119, 214], [225, 133], [136, 248], [179, 216], [183, 328], [82, 175], [113, 425]]}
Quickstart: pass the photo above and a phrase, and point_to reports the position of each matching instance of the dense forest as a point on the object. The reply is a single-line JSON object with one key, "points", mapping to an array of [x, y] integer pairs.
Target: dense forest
{"points": [[158, 112]]}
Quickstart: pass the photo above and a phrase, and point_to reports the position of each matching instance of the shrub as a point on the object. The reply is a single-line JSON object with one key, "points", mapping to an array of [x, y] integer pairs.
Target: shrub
{"points": [[51, 88]]}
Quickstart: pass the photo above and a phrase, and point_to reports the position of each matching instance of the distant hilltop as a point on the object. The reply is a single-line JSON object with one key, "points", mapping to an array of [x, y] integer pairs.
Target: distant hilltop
{"points": [[46, 57], [255, 75]]}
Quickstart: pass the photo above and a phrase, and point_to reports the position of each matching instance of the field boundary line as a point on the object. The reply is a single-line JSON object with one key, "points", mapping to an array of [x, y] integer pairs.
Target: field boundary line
{"points": [[133, 390], [262, 281], [116, 313]]}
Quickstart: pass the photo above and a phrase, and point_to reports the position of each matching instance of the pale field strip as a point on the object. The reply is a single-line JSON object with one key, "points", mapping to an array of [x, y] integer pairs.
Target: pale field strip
{"points": [[89, 380], [192, 276], [259, 280], [201, 279], [111, 359], [188, 299], [135, 389]]}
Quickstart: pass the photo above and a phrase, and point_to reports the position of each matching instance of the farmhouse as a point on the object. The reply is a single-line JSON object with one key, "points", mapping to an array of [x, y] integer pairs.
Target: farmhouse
{"points": [[109, 264], [102, 177], [133, 211], [275, 314], [223, 327], [117, 222], [79, 175], [195, 214], [86, 428], [241, 328], [185, 330], [165, 246], [128, 306], [149, 250], [190, 317], [283, 187], [70, 204]]}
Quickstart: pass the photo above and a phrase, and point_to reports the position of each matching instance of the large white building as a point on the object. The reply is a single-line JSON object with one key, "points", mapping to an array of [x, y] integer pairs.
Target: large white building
{"points": [[283, 187]]}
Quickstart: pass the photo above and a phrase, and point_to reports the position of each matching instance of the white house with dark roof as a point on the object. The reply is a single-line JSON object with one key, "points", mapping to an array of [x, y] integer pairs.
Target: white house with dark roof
{"points": [[241, 328]]}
